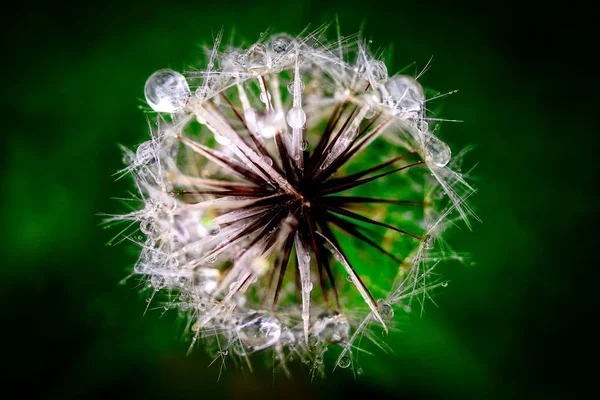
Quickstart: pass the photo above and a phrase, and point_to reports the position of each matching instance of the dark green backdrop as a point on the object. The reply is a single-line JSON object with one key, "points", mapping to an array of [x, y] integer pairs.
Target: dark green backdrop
{"points": [[512, 325]]}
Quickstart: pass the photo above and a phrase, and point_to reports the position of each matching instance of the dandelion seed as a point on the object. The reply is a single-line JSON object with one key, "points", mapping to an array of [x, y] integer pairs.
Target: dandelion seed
{"points": [[248, 216]]}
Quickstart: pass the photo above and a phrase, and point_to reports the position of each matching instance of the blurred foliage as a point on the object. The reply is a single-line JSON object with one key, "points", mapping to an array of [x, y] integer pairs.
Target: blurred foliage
{"points": [[508, 326]]}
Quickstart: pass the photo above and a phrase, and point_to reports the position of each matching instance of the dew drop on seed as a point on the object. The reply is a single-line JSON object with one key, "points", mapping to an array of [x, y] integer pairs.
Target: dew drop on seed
{"points": [[304, 145], [268, 160], [370, 113], [201, 92], [344, 362], [281, 42], [428, 242], [292, 86], [332, 327], [166, 91], [385, 310], [222, 140], [257, 60], [437, 152], [378, 71], [214, 230], [296, 118], [279, 46], [145, 153], [265, 97], [359, 371], [405, 95], [257, 331]]}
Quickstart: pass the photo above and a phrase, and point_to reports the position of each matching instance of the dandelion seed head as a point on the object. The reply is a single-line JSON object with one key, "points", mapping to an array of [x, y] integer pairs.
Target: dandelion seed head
{"points": [[263, 197]]}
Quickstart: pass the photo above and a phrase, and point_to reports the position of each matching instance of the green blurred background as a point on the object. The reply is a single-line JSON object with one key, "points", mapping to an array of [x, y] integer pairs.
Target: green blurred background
{"points": [[513, 325]]}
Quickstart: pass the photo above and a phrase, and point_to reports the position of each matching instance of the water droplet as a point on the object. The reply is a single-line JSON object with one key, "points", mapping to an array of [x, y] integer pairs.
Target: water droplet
{"points": [[309, 286], [257, 60], [146, 226], [291, 86], [214, 230], [370, 113], [444, 284], [211, 259], [257, 331], [345, 361], [304, 145], [222, 140], [268, 160], [145, 153], [385, 310], [428, 242], [296, 118], [378, 70], [332, 327], [360, 371], [281, 42], [166, 91], [265, 97], [405, 95], [437, 152], [202, 92], [206, 280]]}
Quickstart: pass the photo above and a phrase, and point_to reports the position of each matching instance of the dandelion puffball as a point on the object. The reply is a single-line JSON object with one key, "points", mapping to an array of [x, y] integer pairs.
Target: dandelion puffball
{"points": [[293, 197]]}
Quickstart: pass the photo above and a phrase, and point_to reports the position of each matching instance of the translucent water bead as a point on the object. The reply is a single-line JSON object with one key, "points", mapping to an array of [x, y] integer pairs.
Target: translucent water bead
{"points": [[206, 280], [378, 70], [405, 95], [257, 59], [296, 117], [258, 331], [280, 43], [166, 91], [332, 327], [436, 152]]}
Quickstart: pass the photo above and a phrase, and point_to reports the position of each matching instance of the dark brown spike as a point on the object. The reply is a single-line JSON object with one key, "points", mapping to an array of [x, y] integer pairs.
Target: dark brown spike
{"points": [[357, 175], [274, 269], [257, 143], [261, 221], [287, 250], [317, 250], [353, 230], [327, 233], [215, 184], [362, 218], [349, 185], [339, 200], [349, 151], [288, 166], [268, 181], [329, 147], [224, 192], [324, 140], [224, 161]]}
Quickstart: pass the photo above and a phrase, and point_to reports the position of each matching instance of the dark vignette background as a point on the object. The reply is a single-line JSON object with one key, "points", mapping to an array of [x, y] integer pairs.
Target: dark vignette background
{"points": [[517, 324]]}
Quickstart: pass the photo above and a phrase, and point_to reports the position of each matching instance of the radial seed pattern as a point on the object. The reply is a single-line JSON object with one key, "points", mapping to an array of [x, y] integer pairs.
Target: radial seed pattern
{"points": [[293, 197]]}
